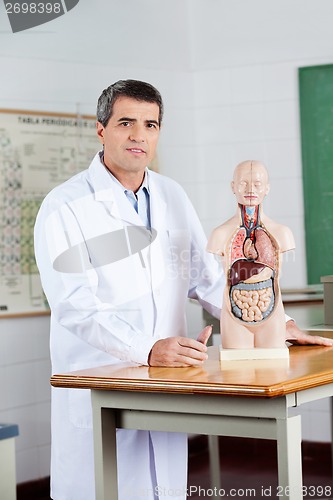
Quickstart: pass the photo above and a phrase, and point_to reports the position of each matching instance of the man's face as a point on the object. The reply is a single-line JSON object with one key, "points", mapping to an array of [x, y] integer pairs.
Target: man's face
{"points": [[250, 183], [130, 137]]}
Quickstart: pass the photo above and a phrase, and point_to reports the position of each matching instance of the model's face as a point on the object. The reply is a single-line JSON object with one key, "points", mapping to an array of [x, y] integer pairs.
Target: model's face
{"points": [[130, 137], [250, 183]]}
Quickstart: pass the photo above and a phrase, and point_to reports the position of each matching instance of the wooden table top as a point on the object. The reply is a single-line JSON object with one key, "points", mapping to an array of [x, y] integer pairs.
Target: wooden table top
{"points": [[307, 367]]}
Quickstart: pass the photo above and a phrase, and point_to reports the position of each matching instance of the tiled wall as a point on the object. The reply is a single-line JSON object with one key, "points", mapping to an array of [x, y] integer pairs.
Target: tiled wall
{"points": [[25, 391]]}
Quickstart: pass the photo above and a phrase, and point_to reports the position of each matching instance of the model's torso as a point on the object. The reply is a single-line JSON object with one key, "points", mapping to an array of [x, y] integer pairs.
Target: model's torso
{"points": [[252, 261]]}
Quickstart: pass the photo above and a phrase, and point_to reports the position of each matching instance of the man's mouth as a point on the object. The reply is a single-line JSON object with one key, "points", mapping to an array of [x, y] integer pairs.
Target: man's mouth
{"points": [[136, 150]]}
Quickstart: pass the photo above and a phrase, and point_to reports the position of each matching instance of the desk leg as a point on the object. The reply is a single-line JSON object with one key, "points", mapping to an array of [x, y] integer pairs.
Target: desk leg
{"points": [[332, 432], [214, 462], [105, 453], [289, 458]]}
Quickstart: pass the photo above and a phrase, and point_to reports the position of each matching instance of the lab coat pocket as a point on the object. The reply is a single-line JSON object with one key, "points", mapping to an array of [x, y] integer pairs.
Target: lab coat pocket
{"points": [[79, 403]]}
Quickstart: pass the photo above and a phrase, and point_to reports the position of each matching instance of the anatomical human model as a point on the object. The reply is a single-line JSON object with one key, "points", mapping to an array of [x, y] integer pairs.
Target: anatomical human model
{"points": [[250, 245]]}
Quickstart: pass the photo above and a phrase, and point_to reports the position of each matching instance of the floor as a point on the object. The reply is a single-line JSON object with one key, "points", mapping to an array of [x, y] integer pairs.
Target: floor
{"points": [[248, 469]]}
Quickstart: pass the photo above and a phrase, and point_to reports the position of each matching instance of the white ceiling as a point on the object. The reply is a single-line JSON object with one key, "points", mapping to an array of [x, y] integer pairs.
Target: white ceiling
{"points": [[177, 34]]}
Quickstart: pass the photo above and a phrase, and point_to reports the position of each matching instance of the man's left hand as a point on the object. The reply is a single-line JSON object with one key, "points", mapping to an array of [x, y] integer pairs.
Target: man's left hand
{"points": [[295, 336]]}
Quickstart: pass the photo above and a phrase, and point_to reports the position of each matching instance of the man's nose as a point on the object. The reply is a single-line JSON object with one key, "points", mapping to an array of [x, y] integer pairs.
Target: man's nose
{"points": [[137, 134]]}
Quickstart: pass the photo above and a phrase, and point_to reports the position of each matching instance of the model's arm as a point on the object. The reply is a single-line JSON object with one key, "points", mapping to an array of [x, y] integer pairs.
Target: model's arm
{"points": [[217, 240], [284, 237]]}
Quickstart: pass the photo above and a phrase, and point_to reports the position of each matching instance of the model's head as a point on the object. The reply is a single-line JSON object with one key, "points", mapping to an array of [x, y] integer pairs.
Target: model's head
{"points": [[141, 91], [250, 183]]}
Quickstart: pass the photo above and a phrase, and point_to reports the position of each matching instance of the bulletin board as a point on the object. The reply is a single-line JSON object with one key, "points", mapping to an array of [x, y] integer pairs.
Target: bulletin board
{"points": [[38, 151], [316, 110]]}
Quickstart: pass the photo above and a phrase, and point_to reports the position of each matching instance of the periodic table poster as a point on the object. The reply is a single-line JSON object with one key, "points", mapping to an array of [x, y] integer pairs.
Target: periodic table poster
{"points": [[38, 151]]}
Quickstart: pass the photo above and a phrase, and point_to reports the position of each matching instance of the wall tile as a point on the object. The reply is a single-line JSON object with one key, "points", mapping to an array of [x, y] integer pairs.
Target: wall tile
{"points": [[280, 81], [248, 121], [43, 418], [284, 199], [306, 317], [281, 120], [177, 88], [3, 355], [21, 384], [25, 418], [215, 162], [246, 84], [194, 318], [214, 125], [20, 345], [179, 162], [179, 128], [42, 374], [212, 88], [44, 459], [41, 338], [4, 389], [293, 275], [27, 465], [213, 199], [284, 159], [245, 150]]}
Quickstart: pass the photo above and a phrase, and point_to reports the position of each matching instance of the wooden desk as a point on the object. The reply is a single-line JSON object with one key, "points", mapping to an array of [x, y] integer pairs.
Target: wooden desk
{"points": [[256, 399]]}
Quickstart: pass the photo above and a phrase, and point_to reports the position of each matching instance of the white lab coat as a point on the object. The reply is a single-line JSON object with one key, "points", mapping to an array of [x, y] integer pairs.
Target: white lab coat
{"points": [[115, 311]]}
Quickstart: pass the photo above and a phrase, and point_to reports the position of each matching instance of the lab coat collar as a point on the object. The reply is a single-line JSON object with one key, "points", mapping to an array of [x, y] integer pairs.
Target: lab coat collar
{"points": [[113, 196], [110, 194], [100, 181], [145, 182]]}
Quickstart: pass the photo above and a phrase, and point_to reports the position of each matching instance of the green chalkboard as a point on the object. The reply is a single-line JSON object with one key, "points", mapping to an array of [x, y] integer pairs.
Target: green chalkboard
{"points": [[316, 113]]}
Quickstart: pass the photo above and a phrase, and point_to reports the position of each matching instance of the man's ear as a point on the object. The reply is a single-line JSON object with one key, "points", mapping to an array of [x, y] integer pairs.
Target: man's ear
{"points": [[232, 184], [100, 132], [268, 187]]}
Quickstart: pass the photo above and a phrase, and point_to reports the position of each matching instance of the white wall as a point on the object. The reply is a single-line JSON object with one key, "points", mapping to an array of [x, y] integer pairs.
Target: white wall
{"points": [[25, 392], [228, 74]]}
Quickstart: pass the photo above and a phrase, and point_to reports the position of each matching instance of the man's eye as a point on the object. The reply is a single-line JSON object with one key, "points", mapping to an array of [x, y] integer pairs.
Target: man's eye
{"points": [[151, 125], [125, 124]]}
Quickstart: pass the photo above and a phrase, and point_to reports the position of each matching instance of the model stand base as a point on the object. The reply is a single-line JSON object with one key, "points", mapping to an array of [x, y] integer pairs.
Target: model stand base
{"points": [[253, 353]]}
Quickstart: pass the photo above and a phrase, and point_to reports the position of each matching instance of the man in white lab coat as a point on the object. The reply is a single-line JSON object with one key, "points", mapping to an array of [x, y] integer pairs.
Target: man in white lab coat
{"points": [[119, 249]]}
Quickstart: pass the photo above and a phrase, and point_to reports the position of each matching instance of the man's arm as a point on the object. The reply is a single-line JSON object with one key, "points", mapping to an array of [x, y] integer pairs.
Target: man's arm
{"points": [[182, 351], [76, 303]]}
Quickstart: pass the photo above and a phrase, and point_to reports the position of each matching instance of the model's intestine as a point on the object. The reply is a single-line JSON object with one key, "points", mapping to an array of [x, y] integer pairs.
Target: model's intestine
{"points": [[253, 261]]}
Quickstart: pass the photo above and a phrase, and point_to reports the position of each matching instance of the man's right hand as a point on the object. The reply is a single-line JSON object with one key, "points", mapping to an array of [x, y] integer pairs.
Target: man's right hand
{"points": [[180, 351]]}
